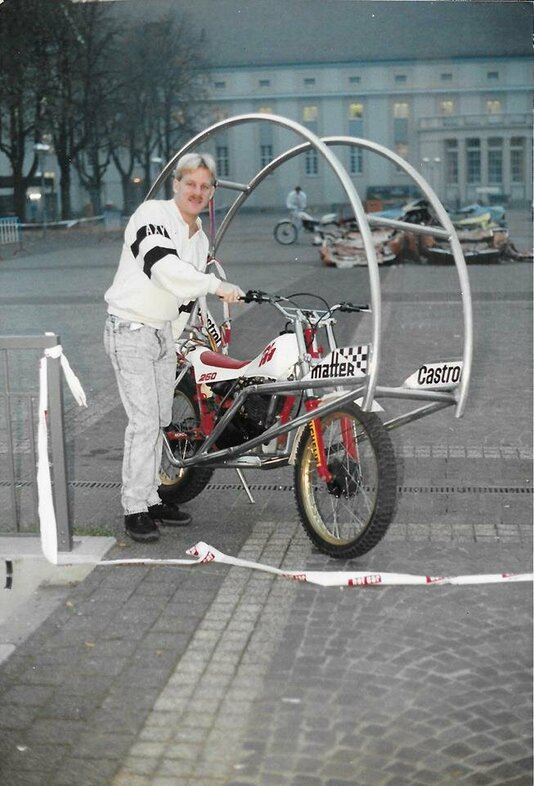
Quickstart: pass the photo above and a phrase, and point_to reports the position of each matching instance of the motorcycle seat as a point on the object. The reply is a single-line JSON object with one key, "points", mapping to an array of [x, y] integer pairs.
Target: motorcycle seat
{"points": [[221, 361]]}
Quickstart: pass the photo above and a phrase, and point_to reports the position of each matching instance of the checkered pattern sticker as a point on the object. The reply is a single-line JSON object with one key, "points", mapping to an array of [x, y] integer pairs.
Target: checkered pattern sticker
{"points": [[358, 356], [346, 362]]}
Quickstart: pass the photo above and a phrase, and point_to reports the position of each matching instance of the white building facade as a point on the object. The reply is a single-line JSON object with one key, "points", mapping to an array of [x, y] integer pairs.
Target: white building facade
{"points": [[466, 125]]}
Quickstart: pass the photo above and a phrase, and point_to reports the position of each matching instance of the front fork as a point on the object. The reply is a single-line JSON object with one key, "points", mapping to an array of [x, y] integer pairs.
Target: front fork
{"points": [[316, 432]]}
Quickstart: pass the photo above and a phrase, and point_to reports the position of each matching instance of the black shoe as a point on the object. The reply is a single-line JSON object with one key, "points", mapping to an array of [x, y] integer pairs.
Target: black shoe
{"points": [[169, 515], [141, 527]]}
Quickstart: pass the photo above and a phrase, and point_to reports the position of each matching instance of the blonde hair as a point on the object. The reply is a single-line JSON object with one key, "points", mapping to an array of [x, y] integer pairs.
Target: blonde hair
{"points": [[193, 161]]}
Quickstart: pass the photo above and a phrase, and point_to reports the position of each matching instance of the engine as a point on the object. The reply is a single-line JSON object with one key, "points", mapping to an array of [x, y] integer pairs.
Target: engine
{"points": [[255, 416]]}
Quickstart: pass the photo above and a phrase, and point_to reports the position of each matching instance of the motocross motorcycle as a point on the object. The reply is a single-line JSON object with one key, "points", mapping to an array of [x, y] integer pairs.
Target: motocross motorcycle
{"points": [[293, 405]]}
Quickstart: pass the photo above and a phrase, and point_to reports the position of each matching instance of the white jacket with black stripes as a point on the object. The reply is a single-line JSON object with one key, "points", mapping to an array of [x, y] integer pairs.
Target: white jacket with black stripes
{"points": [[161, 269]]}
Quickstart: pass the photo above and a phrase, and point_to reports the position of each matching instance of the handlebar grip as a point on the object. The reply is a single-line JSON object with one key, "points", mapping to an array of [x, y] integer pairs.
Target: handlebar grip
{"points": [[354, 307], [255, 296]]}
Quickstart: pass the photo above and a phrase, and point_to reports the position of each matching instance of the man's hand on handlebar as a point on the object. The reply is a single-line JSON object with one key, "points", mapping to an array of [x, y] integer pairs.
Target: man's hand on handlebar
{"points": [[256, 296], [230, 293]]}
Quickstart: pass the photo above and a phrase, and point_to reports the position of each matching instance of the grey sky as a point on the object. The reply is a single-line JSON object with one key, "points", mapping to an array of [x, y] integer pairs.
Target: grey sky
{"points": [[264, 32]]}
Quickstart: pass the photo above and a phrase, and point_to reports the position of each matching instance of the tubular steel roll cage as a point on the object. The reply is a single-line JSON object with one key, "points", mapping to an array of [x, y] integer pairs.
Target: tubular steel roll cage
{"points": [[370, 389]]}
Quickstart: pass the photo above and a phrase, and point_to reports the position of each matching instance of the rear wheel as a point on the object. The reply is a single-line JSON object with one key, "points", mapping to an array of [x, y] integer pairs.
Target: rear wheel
{"points": [[349, 515], [285, 232], [181, 485]]}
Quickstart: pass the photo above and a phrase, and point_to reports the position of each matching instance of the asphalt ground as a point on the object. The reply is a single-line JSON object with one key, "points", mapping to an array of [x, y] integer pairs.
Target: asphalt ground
{"points": [[167, 676]]}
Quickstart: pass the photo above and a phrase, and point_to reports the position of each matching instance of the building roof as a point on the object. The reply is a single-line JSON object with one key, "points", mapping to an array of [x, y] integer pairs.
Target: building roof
{"points": [[241, 33]]}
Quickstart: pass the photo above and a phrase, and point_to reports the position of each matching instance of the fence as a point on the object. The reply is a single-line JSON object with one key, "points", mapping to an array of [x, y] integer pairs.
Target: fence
{"points": [[18, 456], [10, 231]]}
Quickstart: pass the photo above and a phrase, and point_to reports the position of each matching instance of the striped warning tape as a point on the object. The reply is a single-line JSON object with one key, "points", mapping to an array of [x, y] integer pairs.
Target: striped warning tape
{"points": [[203, 554]]}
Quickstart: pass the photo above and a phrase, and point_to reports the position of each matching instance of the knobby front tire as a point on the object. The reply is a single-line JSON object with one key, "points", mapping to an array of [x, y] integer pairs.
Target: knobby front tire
{"points": [[350, 515], [181, 485], [285, 232]]}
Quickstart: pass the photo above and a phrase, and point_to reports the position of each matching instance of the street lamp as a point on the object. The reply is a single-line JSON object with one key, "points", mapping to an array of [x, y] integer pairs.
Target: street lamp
{"points": [[42, 149]]}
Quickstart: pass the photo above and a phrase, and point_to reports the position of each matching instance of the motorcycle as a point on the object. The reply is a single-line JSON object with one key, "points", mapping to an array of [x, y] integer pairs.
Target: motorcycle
{"points": [[287, 230], [292, 405]]}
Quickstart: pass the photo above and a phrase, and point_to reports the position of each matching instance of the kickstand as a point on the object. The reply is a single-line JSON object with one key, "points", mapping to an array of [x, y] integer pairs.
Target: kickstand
{"points": [[245, 485]]}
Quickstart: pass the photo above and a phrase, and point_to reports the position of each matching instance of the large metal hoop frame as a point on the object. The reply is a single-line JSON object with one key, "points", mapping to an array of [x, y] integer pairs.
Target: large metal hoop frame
{"points": [[445, 232]]}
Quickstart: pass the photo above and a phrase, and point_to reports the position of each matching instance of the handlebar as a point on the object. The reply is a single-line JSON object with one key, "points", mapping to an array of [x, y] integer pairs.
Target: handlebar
{"points": [[258, 296]]}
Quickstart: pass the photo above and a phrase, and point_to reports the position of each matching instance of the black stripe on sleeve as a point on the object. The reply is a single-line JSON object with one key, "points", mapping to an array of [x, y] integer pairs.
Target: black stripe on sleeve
{"points": [[187, 307], [144, 231], [154, 255]]}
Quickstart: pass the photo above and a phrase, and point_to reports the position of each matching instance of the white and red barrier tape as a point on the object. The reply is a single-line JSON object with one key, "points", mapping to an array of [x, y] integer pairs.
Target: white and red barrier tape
{"points": [[204, 554]]}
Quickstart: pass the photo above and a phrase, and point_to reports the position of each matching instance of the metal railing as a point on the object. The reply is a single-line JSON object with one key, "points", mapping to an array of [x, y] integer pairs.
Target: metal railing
{"points": [[18, 455], [10, 232]]}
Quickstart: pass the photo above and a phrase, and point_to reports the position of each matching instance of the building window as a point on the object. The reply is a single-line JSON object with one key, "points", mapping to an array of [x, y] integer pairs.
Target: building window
{"points": [[311, 163], [355, 130], [265, 110], [265, 82], [493, 106], [309, 81], [266, 155], [401, 149], [446, 107], [473, 161], [493, 76], [223, 160], [447, 77], [354, 80], [219, 85], [451, 161], [400, 79], [310, 115], [401, 111], [495, 161], [356, 160], [517, 159]]}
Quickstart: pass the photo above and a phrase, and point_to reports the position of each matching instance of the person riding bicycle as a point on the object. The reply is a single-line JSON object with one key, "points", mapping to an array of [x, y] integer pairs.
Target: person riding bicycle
{"points": [[296, 202], [160, 274]]}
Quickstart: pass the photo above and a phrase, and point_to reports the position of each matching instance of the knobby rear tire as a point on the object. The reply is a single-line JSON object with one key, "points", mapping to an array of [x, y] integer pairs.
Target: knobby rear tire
{"points": [[351, 516], [181, 485]]}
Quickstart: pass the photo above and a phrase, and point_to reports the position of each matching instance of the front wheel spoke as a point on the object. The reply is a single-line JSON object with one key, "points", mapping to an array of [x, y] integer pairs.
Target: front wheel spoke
{"points": [[347, 516]]}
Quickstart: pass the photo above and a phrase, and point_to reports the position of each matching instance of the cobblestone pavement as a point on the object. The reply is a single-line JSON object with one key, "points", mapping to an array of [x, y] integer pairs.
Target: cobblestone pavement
{"points": [[161, 676], [177, 676]]}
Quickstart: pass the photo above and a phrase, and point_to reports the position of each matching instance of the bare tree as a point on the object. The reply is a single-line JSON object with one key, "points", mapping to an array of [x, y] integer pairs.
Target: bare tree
{"points": [[162, 89], [55, 59], [65, 72], [97, 30], [65, 106], [21, 90]]}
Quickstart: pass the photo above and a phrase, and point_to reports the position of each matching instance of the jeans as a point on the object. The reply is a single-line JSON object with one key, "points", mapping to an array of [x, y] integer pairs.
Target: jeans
{"points": [[144, 361]]}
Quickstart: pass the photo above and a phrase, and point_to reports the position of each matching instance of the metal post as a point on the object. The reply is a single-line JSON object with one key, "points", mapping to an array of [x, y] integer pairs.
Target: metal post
{"points": [[10, 441], [57, 438]]}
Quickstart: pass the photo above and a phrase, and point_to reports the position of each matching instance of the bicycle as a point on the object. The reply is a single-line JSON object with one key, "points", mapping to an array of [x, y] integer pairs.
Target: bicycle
{"points": [[287, 230]]}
